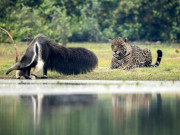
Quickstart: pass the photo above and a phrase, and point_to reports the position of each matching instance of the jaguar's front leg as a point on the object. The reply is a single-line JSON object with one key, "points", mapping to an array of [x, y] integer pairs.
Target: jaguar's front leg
{"points": [[125, 66], [115, 63]]}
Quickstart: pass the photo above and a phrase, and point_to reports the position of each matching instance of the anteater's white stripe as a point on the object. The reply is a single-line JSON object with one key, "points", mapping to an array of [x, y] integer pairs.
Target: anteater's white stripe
{"points": [[40, 62], [34, 56]]}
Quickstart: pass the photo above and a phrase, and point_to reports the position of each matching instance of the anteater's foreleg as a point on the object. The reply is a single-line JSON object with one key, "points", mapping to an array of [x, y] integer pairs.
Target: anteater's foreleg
{"points": [[44, 72], [36, 70]]}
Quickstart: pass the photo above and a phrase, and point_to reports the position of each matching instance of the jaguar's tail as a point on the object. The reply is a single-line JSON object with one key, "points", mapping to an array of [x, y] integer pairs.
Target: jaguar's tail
{"points": [[159, 57]]}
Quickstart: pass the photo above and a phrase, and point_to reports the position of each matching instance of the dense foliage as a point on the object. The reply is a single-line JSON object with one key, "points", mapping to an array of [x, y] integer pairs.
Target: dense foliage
{"points": [[91, 20]]}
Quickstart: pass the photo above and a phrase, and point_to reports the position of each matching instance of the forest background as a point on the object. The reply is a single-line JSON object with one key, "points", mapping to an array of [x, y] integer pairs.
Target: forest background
{"points": [[91, 20]]}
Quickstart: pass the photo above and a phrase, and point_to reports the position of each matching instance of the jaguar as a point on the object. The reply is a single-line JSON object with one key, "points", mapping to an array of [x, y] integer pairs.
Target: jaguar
{"points": [[126, 56]]}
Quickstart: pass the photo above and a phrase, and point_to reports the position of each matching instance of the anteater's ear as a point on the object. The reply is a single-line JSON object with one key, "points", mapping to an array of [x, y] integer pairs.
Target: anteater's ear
{"points": [[125, 39]]}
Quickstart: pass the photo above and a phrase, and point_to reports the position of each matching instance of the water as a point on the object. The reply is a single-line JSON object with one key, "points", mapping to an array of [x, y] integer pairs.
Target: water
{"points": [[58, 107]]}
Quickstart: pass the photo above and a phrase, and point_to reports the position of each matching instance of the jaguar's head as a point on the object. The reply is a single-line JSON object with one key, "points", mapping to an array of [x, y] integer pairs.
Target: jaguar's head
{"points": [[119, 46]]}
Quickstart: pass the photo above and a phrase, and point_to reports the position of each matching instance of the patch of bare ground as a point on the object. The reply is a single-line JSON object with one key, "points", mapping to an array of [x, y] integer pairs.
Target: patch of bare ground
{"points": [[167, 69], [176, 70]]}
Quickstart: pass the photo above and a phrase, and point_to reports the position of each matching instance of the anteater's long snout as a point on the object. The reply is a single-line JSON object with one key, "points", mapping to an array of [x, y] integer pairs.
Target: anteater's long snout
{"points": [[14, 67]]}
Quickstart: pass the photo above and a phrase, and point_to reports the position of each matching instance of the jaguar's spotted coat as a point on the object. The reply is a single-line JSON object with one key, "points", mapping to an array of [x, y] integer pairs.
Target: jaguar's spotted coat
{"points": [[126, 56]]}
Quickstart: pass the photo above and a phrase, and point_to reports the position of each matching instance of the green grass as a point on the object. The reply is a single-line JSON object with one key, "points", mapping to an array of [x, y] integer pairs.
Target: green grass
{"points": [[169, 68]]}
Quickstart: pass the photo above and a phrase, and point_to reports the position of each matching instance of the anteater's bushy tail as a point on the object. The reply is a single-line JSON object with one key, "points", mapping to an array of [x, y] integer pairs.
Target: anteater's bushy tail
{"points": [[159, 57], [71, 60]]}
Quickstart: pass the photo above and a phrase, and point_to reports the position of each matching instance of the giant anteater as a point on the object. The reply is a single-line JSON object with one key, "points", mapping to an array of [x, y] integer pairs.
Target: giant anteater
{"points": [[43, 53]]}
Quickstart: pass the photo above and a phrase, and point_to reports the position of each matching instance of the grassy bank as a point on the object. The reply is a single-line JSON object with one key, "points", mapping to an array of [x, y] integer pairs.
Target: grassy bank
{"points": [[169, 68]]}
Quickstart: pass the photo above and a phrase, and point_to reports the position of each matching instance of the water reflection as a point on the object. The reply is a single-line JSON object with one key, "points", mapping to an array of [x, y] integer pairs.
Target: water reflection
{"points": [[124, 105], [103, 114], [46, 103]]}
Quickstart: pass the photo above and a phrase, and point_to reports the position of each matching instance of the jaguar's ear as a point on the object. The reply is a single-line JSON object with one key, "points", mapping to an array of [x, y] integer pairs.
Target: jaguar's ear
{"points": [[125, 39], [110, 40]]}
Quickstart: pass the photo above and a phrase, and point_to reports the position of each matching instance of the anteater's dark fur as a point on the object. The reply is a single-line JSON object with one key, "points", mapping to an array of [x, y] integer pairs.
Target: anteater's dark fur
{"points": [[58, 58], [68, 60]]}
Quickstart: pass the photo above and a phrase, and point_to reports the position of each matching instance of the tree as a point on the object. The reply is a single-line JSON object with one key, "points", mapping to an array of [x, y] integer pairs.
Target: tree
{"points": [[91, 20], [61, 24]]}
